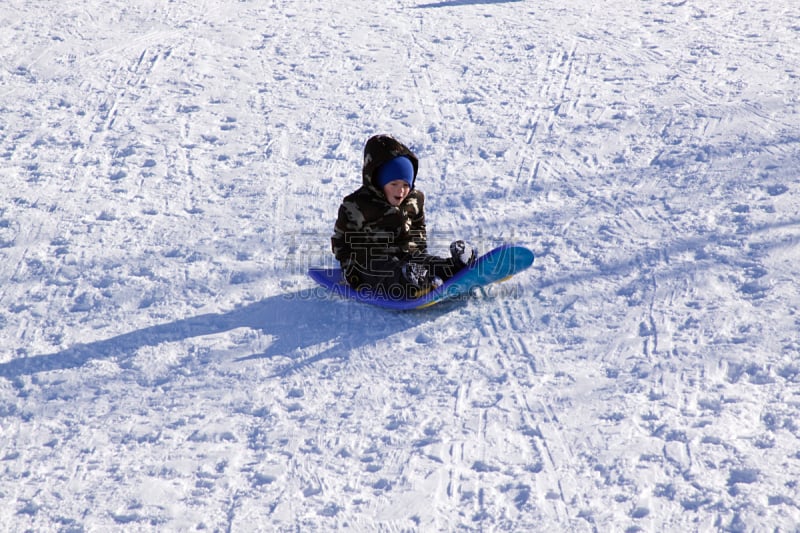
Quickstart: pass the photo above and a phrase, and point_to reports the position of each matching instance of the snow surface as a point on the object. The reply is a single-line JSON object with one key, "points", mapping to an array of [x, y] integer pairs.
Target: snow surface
{"points": [[171, 168]]}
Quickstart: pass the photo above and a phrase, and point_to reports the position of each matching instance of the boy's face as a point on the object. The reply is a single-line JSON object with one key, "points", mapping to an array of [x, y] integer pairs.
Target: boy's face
{"points": [[396, 191]]}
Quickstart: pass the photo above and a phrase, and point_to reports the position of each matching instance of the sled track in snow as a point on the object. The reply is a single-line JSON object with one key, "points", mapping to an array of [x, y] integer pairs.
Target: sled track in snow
{"points": [[169, 166], [507, 330]]}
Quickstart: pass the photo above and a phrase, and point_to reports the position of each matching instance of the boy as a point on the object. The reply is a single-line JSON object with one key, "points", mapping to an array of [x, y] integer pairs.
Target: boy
{"points": [[380, 237]]}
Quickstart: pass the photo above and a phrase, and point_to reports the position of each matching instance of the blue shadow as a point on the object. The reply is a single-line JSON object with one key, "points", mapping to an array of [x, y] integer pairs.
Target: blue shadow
{"points": [[296, 321]]}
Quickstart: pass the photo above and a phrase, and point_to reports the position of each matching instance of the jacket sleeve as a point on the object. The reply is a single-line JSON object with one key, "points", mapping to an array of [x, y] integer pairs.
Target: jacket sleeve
{"points": [[419, 233], [339, 245], [349, 224]]}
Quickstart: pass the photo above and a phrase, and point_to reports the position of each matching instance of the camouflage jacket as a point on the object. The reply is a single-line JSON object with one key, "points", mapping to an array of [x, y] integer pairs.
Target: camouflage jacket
{"points": [[368, 228]]}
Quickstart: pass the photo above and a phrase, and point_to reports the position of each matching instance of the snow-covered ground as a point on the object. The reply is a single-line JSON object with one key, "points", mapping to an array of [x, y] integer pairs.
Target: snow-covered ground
{"points": [[171, 168]]}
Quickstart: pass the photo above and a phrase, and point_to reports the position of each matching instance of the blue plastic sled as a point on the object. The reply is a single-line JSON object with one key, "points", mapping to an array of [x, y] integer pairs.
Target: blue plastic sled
{"points": [[497, 265]]}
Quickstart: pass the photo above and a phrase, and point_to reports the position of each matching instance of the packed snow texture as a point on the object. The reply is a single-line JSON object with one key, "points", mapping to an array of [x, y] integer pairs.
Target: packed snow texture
{"points": [[172, 168]]}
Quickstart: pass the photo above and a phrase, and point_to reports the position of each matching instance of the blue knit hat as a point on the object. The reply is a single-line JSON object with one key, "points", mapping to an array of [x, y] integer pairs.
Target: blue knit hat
{"points": [[399, 168]]}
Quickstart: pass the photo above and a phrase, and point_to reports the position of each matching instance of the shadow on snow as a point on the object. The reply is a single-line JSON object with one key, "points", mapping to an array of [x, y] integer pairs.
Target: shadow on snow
{"points": [[297, 321], [303, 321]]}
